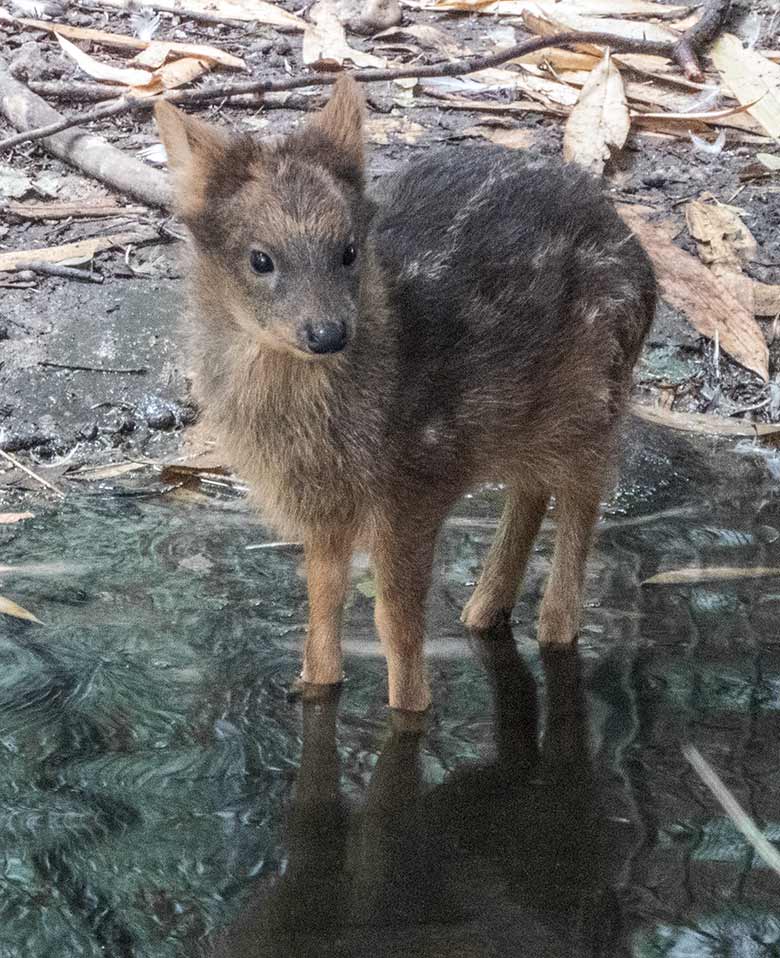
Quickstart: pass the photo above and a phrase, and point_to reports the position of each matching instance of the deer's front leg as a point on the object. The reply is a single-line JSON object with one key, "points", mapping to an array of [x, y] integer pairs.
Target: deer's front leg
{"points": [[327, 576], [403, 557]]}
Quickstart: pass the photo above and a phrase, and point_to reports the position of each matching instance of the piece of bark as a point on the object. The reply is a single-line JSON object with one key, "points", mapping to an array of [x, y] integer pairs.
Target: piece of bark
{"points": [[90, 153]]}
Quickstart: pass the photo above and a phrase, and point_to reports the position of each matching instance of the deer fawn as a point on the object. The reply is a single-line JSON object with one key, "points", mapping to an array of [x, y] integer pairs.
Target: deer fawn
{"points": [[367, 360]]}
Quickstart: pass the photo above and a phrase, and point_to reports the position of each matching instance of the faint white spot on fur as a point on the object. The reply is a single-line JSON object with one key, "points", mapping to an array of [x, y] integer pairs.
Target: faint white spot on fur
{"points": [[555, 249], [431, 265]]}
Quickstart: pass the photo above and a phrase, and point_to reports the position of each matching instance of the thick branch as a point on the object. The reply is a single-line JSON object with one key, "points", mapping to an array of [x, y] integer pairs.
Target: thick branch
{"points": [[701, 34]]}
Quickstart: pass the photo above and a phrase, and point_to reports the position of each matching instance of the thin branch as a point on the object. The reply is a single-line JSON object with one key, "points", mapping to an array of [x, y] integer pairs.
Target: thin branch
{"points": [[33, 475], [141, 370], [460, 67], [63, 272]]}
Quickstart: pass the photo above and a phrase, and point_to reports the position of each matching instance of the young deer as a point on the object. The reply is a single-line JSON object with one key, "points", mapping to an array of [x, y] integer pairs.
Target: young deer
{"points": [[366, 361]]}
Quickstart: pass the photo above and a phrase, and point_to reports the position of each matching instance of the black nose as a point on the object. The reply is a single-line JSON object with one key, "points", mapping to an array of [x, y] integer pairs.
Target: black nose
{"points": [[326, 337]]}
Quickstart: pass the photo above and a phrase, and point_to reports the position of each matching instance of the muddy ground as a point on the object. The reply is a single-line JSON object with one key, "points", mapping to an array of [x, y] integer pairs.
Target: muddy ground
{"points": [[131, 401]]}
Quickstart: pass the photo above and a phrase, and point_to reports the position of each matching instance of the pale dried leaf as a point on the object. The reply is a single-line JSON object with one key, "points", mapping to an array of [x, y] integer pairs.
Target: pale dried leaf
{"points": [[703, 424], [722, 239], [7, 607], [707, 303], [712, 574], [325, 44], [381, 129], [752, 78], [176, 73], [515, 8], [84, 250], [548, 20], [515, 139], [255, 11], [599, 123], [128, 76], [769, 160], [153, 52], [425, 35], [9, 518]]}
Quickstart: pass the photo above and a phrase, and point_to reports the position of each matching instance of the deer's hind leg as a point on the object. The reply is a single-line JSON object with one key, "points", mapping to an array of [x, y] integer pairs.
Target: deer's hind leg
{"points": [[577, 510], [495, 594]]}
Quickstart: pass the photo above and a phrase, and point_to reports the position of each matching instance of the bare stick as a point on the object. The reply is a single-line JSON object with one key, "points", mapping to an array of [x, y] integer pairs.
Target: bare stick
{"points": [[63, 272], [701, 34], [460, 67], [33, 475], [733, 809], [139, 371]]}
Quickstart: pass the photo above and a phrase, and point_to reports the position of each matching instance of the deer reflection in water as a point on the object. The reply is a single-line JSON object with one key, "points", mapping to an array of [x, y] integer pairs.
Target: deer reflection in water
{"points": [[514, 857]]}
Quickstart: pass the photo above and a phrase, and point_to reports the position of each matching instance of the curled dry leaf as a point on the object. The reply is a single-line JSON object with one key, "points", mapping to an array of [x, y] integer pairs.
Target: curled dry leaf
{"points": [[325, 44], [128, 76], [752, 78], [707, 302], [514, 139], [381, 129], [722, 239], [599, 123], [7, 607]]}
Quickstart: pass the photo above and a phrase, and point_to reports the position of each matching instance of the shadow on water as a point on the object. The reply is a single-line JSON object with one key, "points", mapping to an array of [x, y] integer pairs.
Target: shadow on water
{"points": [[160, 796], [511, 856]]}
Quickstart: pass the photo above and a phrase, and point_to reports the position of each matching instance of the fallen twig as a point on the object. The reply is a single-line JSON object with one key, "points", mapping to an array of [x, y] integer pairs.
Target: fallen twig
{"points": [[63, 272], [33, 475], [139, 371], [733, 809], [460, 67], [66, 211]]}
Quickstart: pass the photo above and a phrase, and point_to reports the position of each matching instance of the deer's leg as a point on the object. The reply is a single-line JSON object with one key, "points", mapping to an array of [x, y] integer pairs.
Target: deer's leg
{"points": [[327, 575], [496, 591], [577, 510], [403, 556]]}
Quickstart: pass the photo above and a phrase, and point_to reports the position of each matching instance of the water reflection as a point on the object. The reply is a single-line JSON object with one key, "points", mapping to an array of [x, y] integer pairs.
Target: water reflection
{"points": [[511, 856]]}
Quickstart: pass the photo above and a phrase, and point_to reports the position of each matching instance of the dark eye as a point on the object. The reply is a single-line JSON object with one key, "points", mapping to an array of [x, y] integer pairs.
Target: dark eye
{"points": [[350, 254], [261, 262]]}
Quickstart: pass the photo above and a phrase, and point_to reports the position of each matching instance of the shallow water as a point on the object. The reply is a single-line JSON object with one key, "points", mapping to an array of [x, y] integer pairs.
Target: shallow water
{"points": [[160, 796]]}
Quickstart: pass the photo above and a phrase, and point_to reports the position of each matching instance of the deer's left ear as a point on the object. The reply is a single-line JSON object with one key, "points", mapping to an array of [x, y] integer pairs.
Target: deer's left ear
{"points": [[338, 128]]}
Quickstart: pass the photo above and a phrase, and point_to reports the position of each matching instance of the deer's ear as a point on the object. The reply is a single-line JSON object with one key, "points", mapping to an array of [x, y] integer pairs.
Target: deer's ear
{"points": [[340, 124], [195, 151]]}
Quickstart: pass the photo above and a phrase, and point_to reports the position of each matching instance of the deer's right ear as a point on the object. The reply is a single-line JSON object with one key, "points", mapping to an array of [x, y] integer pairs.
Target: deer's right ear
{"points": [[195, 150]]}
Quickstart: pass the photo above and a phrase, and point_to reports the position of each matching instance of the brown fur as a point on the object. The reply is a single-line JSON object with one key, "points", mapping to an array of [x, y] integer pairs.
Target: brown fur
{"points": [[452, 374]]}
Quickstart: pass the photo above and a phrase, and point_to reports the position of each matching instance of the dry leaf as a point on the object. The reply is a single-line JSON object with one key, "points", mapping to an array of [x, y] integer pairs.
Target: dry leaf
{"points": [[153, 52], [425, 35], [722, 238], [752, 78], [708, 116], [554, 19], [129, 76], [8, 518], [712, 574], [707, 303], [380, 128], [599, 123], [255, 11], [325, 44], [174, 74], [7, 607], [516, 139], [515, 8], [83, 250], [704, 424]]}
